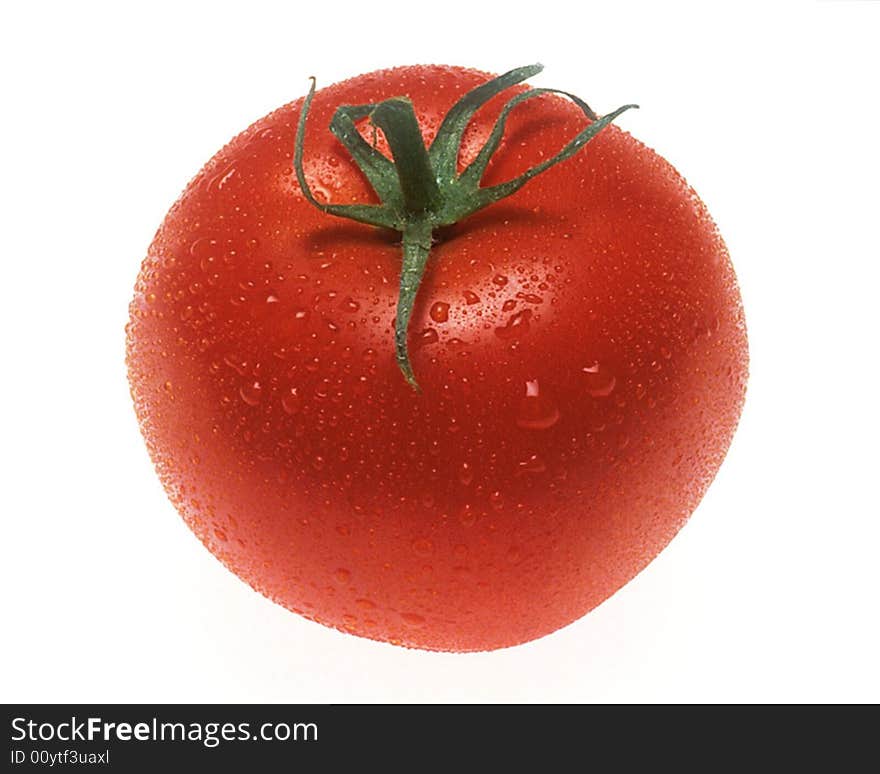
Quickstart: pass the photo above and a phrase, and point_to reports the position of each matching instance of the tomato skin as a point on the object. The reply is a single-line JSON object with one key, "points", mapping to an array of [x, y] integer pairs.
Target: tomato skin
{"points": [[581, 350]]}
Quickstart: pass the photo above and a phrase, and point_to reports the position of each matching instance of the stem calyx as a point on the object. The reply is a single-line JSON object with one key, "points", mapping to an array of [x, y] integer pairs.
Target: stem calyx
{"points": [[420, 188]]}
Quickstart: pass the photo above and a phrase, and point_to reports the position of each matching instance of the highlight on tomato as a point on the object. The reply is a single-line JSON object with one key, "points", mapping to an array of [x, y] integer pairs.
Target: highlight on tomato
{"points": [[436, 358]]}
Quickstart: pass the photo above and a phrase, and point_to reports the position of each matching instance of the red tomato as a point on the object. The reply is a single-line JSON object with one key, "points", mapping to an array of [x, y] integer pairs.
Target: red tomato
{"points": [[580, 348]]}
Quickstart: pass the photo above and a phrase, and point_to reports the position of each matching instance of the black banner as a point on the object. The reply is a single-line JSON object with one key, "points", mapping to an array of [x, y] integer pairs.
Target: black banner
{"points": [[281, 737]]}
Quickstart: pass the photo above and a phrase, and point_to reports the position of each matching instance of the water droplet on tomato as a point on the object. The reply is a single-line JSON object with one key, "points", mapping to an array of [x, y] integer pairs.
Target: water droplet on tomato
{"points": [[322, 194], [413, 619], [500, 280], [208, 263], [467, 516], [236, 363], [426, 337], [531, 465], [203, 247], [536, 411], [342, 575], [517, 325], [470, 297], [439, 312], [465, 473], [423, 547], [600, 381], [291, 401], [251, 393]]}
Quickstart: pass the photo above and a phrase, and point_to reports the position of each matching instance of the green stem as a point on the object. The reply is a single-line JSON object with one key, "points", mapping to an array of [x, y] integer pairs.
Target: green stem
{"points": [[416, 249]]}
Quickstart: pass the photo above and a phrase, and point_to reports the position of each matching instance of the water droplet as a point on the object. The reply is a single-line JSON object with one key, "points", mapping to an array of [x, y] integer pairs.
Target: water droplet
{"points": [[204, 247], [517, 325], [320, 191], [536, 411], [423, 547], [496, 500], [350, 305], [439, 312], [342, 575], [426, 337], [224, 177], [509, 305], [500, 280], [236, 363], [220, 534], [467, 516], [413, 619], [600, 380], [251, 393], [470, 297], [465, 473], [272, 299], [291, 401], [533, 465]]}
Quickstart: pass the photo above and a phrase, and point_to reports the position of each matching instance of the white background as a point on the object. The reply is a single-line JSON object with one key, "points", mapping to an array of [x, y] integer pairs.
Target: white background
{"points": [[770, 111]]}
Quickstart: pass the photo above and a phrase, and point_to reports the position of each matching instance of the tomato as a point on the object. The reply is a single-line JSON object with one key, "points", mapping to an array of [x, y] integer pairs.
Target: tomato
{"points": [[579, 349]]}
